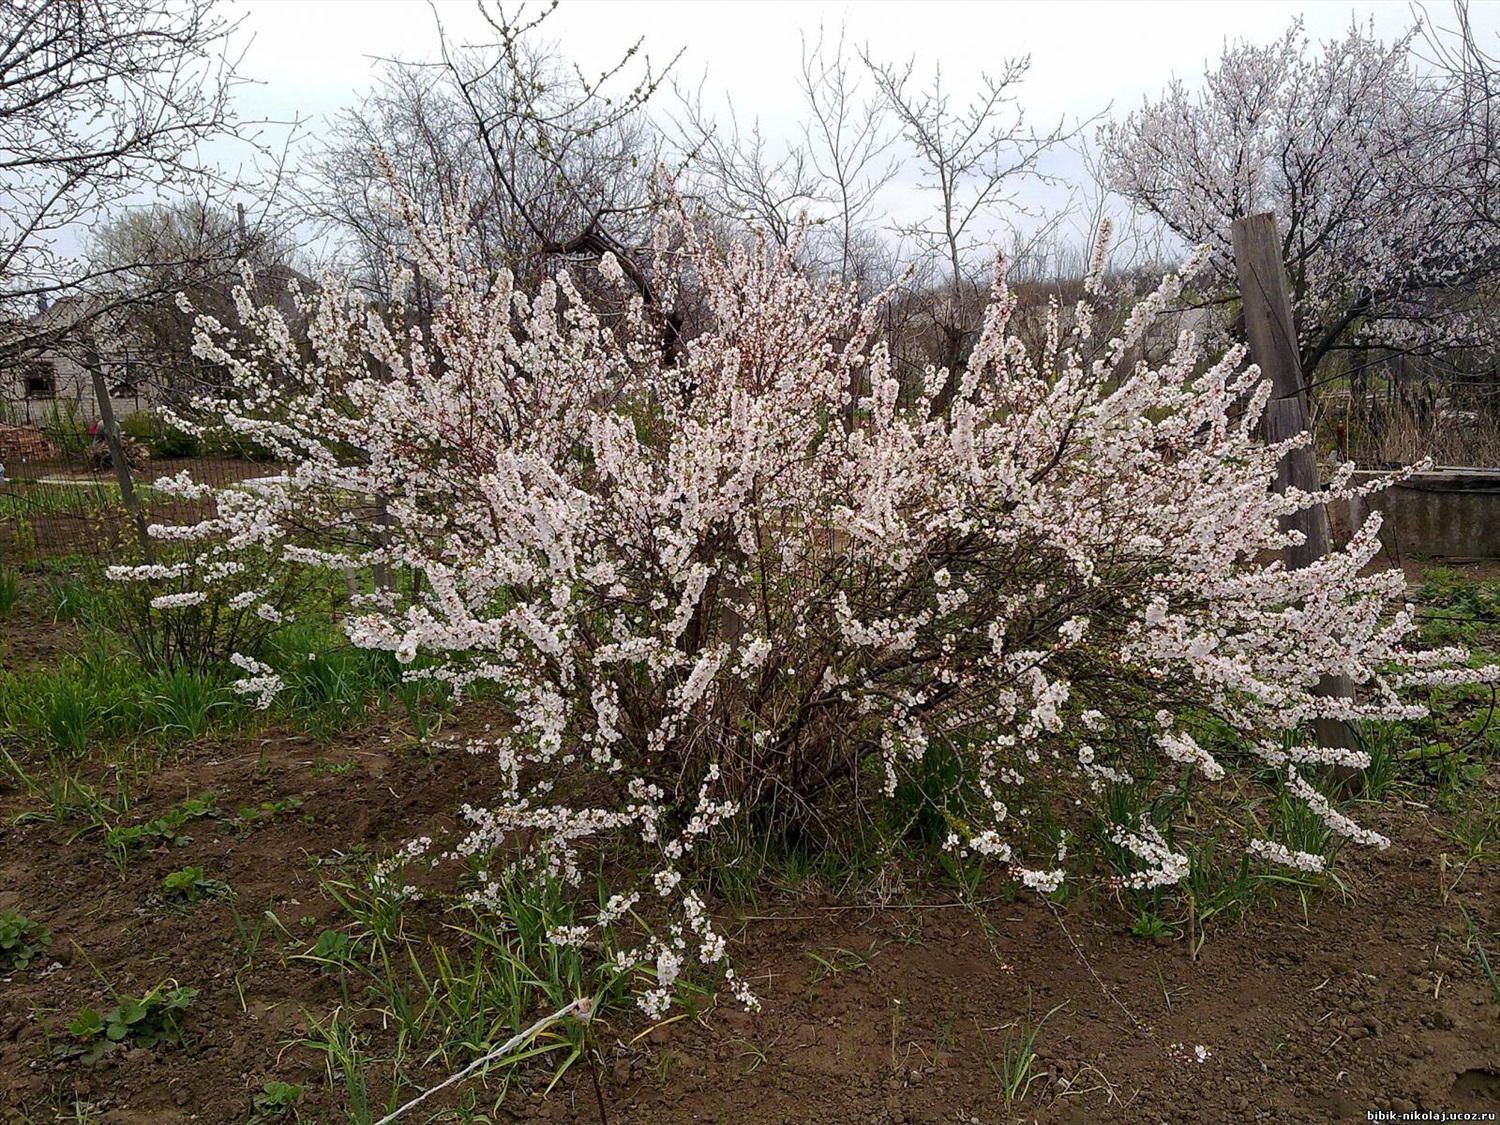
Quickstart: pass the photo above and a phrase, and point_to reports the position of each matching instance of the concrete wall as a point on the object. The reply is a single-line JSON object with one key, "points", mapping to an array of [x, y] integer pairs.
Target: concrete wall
{"points": [[1445, 513]]}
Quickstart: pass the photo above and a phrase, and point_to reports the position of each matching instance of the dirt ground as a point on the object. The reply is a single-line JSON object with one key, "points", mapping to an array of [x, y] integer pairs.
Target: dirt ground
{"points": [[1372, 1000]]}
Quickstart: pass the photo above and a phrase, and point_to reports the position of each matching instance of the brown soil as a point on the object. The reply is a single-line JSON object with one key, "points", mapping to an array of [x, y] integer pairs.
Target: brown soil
{"points": [[1373, 999]]}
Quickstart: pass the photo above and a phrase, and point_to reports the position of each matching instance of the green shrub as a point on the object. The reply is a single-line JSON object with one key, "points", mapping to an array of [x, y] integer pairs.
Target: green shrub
{"points": [[65, 429], [160, 438]]}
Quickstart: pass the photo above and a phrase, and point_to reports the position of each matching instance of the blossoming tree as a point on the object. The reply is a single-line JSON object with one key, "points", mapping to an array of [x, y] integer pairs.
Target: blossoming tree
{"points": [[1379, 170], [708, 585]]}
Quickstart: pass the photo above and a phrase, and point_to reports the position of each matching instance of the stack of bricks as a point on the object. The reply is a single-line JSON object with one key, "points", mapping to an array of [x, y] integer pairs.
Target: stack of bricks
{"points": [[23, 443]]}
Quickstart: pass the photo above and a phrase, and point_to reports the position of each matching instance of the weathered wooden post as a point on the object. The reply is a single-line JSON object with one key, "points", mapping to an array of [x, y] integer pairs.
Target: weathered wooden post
{"points": [[1272, 334], [117, 451], [1273, 345]]}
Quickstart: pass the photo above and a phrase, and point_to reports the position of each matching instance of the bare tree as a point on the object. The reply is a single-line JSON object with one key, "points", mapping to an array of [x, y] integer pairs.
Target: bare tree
{"points": [[821, 185], [1468, 76], [100, 100], [972, 157], [171, 262], [549, 164], [738, 174]]}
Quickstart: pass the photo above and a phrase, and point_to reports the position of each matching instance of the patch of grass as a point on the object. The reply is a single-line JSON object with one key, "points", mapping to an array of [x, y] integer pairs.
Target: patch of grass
{"points": [[1476, 830], [70, 715], [345, 1059], [1014, 1063], [1456, 608], [447, 980], [249, 935], [103, 704], [67, 796], [180, 706], [328, 684], [78, 600], [1382, 774], [10, 589], [321, 767]]}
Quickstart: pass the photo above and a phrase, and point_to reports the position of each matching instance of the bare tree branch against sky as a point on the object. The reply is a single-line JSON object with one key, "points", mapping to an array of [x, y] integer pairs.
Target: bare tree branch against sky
{"points": [[311, 57]]}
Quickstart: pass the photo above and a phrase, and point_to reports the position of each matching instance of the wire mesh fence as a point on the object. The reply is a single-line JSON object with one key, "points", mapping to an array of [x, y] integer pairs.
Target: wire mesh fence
{"points": [[62, 494]]}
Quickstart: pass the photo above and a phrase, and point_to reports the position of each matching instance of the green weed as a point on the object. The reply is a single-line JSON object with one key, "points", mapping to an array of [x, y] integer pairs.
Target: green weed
{"points": [[192, 884], [1150, 926], [153, 1020], [272, 1101], [249, 936], [21, 940], [345, 1061], [162, 831], [250, 817], [1479, 951], [837, 961], [10, 589], [1014, 1064]]}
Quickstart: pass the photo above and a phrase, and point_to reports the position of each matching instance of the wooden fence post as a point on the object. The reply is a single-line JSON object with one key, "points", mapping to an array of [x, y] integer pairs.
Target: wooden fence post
{"points": [[1272, 334], [1273, 345], [117, 451]]}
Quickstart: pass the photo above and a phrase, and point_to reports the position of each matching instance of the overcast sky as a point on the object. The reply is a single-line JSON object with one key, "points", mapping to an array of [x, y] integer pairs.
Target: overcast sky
{"points": [[310, 57], [311, 54]]}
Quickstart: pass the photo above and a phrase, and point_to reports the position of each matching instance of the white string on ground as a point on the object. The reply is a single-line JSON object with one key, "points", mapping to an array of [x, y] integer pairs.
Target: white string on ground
{"points": [[583, 1006]]}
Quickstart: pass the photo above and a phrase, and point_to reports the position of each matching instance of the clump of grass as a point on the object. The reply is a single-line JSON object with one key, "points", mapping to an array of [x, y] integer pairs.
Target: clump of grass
{"points": [[181, 705], [1014, 1064], [78, 600], [328, 683], [10, 589], [446, 996]]}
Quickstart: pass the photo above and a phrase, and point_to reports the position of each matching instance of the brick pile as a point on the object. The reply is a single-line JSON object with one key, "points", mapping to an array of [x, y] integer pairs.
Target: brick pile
{"points": [[23, 443]]}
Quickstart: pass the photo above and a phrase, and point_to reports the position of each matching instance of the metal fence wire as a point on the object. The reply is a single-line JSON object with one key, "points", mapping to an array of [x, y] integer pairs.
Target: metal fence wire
{"points": [[63, 489]]}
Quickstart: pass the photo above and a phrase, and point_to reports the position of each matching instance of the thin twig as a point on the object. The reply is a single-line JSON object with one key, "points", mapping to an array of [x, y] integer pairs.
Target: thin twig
{"points": [[582, 1006]]}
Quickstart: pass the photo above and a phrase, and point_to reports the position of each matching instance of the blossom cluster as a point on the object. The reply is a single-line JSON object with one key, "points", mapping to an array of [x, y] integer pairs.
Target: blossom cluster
{"points": [[765, 571]]}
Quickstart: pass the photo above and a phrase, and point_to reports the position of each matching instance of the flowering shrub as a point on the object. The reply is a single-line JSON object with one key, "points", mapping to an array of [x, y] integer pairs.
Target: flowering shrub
{"points": [[207, 600], [720, 582]]}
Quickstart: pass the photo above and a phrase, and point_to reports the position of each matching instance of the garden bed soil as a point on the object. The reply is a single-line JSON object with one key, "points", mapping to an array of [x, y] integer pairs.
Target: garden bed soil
{"points": [[1370, 996], [1373, 1000]]}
